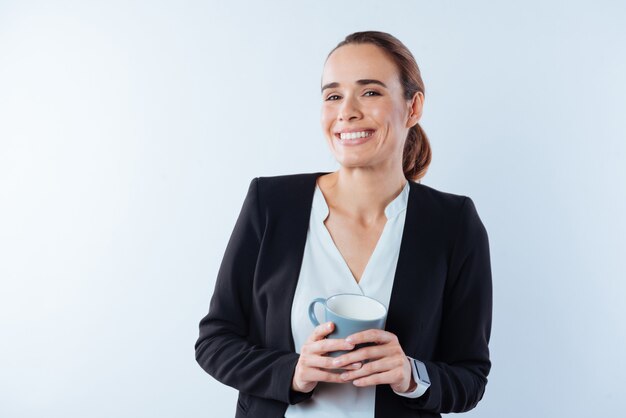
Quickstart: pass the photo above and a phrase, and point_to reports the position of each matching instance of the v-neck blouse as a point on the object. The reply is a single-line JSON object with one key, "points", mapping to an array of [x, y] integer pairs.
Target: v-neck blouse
{"points": [[324, 272]]}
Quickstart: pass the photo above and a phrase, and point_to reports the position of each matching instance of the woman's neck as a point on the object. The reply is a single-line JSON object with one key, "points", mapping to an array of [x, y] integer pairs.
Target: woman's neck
{"points": [[362, 193]]}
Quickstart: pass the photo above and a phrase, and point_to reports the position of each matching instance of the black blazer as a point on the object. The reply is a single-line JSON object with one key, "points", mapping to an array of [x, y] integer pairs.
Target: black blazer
{"points": [[440, 306]]}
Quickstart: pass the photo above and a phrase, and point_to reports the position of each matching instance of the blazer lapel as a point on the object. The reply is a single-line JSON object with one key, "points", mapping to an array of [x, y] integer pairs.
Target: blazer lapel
{"points": [[295, 227], [412, 285]]}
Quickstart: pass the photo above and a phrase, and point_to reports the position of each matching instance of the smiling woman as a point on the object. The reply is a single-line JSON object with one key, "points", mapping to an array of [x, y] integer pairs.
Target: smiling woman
{"points": [[393, 92], [369, 229]]}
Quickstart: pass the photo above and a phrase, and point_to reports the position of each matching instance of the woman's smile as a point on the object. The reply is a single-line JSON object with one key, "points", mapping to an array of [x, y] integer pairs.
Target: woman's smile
{"points": [[354, 138]]}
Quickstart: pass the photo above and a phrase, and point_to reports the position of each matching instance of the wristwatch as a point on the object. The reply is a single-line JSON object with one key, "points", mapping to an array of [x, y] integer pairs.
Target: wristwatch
{"points": [[420, 375]]}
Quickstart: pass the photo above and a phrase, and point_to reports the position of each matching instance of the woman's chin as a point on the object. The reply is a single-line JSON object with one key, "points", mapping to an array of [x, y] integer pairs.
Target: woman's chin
{"points": [[352, 163]]}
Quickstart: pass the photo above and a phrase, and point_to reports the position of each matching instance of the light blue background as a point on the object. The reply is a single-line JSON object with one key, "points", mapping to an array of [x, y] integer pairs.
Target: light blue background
{"points": [[130, 131]]}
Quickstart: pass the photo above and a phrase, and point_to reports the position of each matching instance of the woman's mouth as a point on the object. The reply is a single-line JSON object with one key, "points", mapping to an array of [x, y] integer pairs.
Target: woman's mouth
{"points": [[354, 138]]}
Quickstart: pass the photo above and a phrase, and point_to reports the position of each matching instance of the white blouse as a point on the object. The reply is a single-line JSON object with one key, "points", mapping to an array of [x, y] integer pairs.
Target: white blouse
{"points": [[324, 273]]}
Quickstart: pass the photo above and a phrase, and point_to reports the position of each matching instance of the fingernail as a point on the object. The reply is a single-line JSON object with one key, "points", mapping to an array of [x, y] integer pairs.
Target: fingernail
{"points": [[329, 325], [344, 375], [356, 365], [336, 362], [349, 340]]}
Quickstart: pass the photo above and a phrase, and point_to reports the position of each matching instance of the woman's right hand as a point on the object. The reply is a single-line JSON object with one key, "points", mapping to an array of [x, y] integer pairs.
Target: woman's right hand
{"points": [[313, 366]]}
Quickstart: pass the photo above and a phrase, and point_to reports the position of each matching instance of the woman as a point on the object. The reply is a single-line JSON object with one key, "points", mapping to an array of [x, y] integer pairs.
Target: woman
{"points": [[366, 228]]}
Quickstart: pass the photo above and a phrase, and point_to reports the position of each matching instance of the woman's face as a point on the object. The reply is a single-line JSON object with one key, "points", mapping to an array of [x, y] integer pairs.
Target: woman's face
{"points": [[361, 94]]}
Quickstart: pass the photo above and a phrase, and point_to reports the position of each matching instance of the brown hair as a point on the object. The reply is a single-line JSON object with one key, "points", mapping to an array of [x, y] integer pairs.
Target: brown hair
{"points": [[417, 153]]}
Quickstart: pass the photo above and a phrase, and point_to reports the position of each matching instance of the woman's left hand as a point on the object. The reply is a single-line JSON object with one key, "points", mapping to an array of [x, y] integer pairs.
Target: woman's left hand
{"points": [[387, 362]]}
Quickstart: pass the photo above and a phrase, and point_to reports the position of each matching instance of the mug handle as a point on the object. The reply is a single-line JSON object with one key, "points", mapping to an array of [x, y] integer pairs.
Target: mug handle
{"points": [[312, 310]]}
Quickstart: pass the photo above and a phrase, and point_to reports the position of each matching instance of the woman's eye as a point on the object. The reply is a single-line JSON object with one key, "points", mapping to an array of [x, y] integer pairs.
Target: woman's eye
{"points": [[375, 93]]}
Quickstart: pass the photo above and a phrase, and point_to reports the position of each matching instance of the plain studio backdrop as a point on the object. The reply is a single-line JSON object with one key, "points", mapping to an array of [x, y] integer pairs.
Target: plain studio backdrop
{"points": [[130, 131]]}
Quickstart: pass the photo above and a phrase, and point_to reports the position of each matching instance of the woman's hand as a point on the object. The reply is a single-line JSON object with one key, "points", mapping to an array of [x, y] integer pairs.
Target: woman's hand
{"points": [[387, 361], [313, 366]]}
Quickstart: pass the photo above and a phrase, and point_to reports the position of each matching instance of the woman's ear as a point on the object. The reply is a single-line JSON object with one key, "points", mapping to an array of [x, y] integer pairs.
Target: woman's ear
{"points": [[416, 106]]}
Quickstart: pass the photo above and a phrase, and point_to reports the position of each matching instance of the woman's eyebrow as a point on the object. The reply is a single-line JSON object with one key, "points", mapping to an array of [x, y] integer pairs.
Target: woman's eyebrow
{"points": [[361, 82]]}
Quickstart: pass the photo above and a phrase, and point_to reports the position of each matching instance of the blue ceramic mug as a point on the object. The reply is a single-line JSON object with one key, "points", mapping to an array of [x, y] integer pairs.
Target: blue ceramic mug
{"points": [[351, 313]]}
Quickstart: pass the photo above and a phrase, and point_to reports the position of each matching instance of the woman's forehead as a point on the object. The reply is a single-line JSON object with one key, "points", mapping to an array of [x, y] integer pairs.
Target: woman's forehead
{"points": [[350, 63]]}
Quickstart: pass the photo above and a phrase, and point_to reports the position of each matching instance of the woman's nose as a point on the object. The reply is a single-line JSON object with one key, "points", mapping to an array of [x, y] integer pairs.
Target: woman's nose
{"points": [[348, 109]]}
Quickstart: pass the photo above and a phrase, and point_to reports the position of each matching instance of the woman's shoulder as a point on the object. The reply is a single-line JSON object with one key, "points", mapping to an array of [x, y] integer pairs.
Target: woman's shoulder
{"points": [[456, 210], [289, 179], [438, 199], [286, 190], [288, 183]]}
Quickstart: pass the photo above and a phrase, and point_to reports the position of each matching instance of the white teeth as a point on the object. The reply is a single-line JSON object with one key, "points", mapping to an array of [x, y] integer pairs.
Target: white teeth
{"points": [[355, 135]]}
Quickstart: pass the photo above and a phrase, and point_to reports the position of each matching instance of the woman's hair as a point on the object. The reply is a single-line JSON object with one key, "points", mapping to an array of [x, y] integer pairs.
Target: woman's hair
{"points": [[417, 153]]}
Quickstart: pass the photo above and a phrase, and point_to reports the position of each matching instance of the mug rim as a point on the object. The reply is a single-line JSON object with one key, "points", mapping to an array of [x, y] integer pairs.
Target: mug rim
{"points": [[356, 294]]}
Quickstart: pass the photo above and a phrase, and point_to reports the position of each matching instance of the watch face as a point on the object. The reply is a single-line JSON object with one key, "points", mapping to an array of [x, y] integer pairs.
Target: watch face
{"points": [[422, 373]]}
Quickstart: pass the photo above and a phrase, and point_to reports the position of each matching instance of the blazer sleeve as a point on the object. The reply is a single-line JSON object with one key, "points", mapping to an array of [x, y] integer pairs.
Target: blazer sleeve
{"points": [[223, 349], [458, 373]]}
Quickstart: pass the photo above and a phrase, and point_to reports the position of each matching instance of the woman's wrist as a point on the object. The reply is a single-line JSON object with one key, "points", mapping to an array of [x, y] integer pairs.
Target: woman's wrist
{"points": [[412, 384]]}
